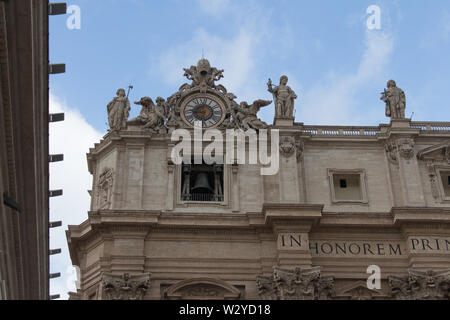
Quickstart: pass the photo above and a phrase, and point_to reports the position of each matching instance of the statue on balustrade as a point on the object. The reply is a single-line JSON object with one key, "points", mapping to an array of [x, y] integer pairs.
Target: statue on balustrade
{"points": [[395, 100]]}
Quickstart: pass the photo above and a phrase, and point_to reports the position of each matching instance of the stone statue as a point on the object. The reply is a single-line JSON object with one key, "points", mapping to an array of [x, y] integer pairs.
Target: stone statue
{"points": [[284, 98], [395, 100], [152, 116], [203, 76], [173, 113], [246, 115], [118, 111]]}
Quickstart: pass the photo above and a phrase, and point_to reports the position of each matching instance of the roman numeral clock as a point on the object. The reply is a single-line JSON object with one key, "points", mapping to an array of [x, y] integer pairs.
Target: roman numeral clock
{"points": [[203, 107]]}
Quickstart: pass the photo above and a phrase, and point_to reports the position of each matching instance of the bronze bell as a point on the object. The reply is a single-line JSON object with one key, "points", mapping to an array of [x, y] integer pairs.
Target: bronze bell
{"points": [[202, 184]]}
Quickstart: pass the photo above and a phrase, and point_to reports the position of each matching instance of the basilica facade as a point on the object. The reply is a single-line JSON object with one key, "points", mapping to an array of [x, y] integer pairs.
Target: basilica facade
{"points": [[350, 213]]}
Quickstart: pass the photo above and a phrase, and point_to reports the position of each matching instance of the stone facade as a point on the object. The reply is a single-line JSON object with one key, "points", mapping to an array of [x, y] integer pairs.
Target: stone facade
{"points": [[24, 158], [344, 198]]}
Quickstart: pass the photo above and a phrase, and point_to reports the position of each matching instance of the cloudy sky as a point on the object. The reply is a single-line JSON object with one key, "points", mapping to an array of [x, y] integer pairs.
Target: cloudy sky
{"points": [[336, 65]]}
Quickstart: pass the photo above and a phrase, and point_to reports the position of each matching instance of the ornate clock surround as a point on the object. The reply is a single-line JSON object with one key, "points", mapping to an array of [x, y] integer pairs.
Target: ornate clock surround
{"points": [[211, 95]]}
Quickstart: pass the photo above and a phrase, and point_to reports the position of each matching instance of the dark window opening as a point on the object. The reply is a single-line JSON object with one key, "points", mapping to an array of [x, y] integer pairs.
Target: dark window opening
{"points": [[202, 182], [343, 183]]}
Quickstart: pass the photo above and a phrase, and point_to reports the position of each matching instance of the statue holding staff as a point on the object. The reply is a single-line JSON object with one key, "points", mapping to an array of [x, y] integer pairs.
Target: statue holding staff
{"points": [[118, 111], [395, 100], [284, 98]]}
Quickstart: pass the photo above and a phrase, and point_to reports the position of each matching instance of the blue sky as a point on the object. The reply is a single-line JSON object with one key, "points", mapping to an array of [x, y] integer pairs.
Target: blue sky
{"points": [[335, 64]]}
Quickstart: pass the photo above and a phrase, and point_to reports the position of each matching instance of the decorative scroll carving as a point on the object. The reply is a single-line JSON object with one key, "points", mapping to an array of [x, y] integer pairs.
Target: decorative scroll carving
{"points": [[391, 151], [300, 146], [287, 146], [104, 188], [433, 182], [420, 285], [126, 287], [297, 284], [203, 76], [359, 291], [406, 148]]}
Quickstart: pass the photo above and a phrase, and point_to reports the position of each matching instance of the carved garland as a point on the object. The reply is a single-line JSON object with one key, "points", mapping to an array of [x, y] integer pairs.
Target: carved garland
{"points": [[391, 151]]}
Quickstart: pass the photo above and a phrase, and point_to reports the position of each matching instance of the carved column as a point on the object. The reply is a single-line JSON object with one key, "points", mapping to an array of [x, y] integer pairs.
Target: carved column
{"points": [[426, 233], [410, 172], [404, 168], [289, 192], [291, 225]]}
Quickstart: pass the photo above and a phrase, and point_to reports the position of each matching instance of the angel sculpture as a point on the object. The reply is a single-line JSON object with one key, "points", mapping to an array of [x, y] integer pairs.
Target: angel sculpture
{"points": [[246, 115], [152, 116]]}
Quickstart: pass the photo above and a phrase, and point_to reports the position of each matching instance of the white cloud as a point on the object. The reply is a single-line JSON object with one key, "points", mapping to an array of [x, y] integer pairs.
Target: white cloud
{"points": [[335, 101], [237, 53], [73, 138]]}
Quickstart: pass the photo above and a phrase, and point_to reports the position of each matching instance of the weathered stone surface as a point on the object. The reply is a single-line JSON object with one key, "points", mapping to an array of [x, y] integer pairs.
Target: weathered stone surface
{"points": [[140, 223], [421, 285]]}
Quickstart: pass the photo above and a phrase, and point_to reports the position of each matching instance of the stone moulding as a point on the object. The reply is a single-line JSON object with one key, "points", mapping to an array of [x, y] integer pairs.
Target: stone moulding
{"points": [[202, 288], [125, 287], [297, 284], [421, 285], [359, 291]]}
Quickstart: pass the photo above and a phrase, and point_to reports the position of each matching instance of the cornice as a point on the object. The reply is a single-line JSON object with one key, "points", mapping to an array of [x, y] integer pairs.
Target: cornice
{"points": [[436, 215]]}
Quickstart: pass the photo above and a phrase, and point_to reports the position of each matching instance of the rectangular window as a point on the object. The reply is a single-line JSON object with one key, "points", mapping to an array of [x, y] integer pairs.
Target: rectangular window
{"points": [[348, 185], [445, 178]]}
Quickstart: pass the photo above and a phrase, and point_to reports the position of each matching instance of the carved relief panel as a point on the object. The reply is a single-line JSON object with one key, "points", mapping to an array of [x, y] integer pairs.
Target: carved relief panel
{"points": [[104, 188]]}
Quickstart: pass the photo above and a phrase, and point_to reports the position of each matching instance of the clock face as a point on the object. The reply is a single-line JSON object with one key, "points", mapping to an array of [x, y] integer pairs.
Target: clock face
{"points": [[204, 109]]}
